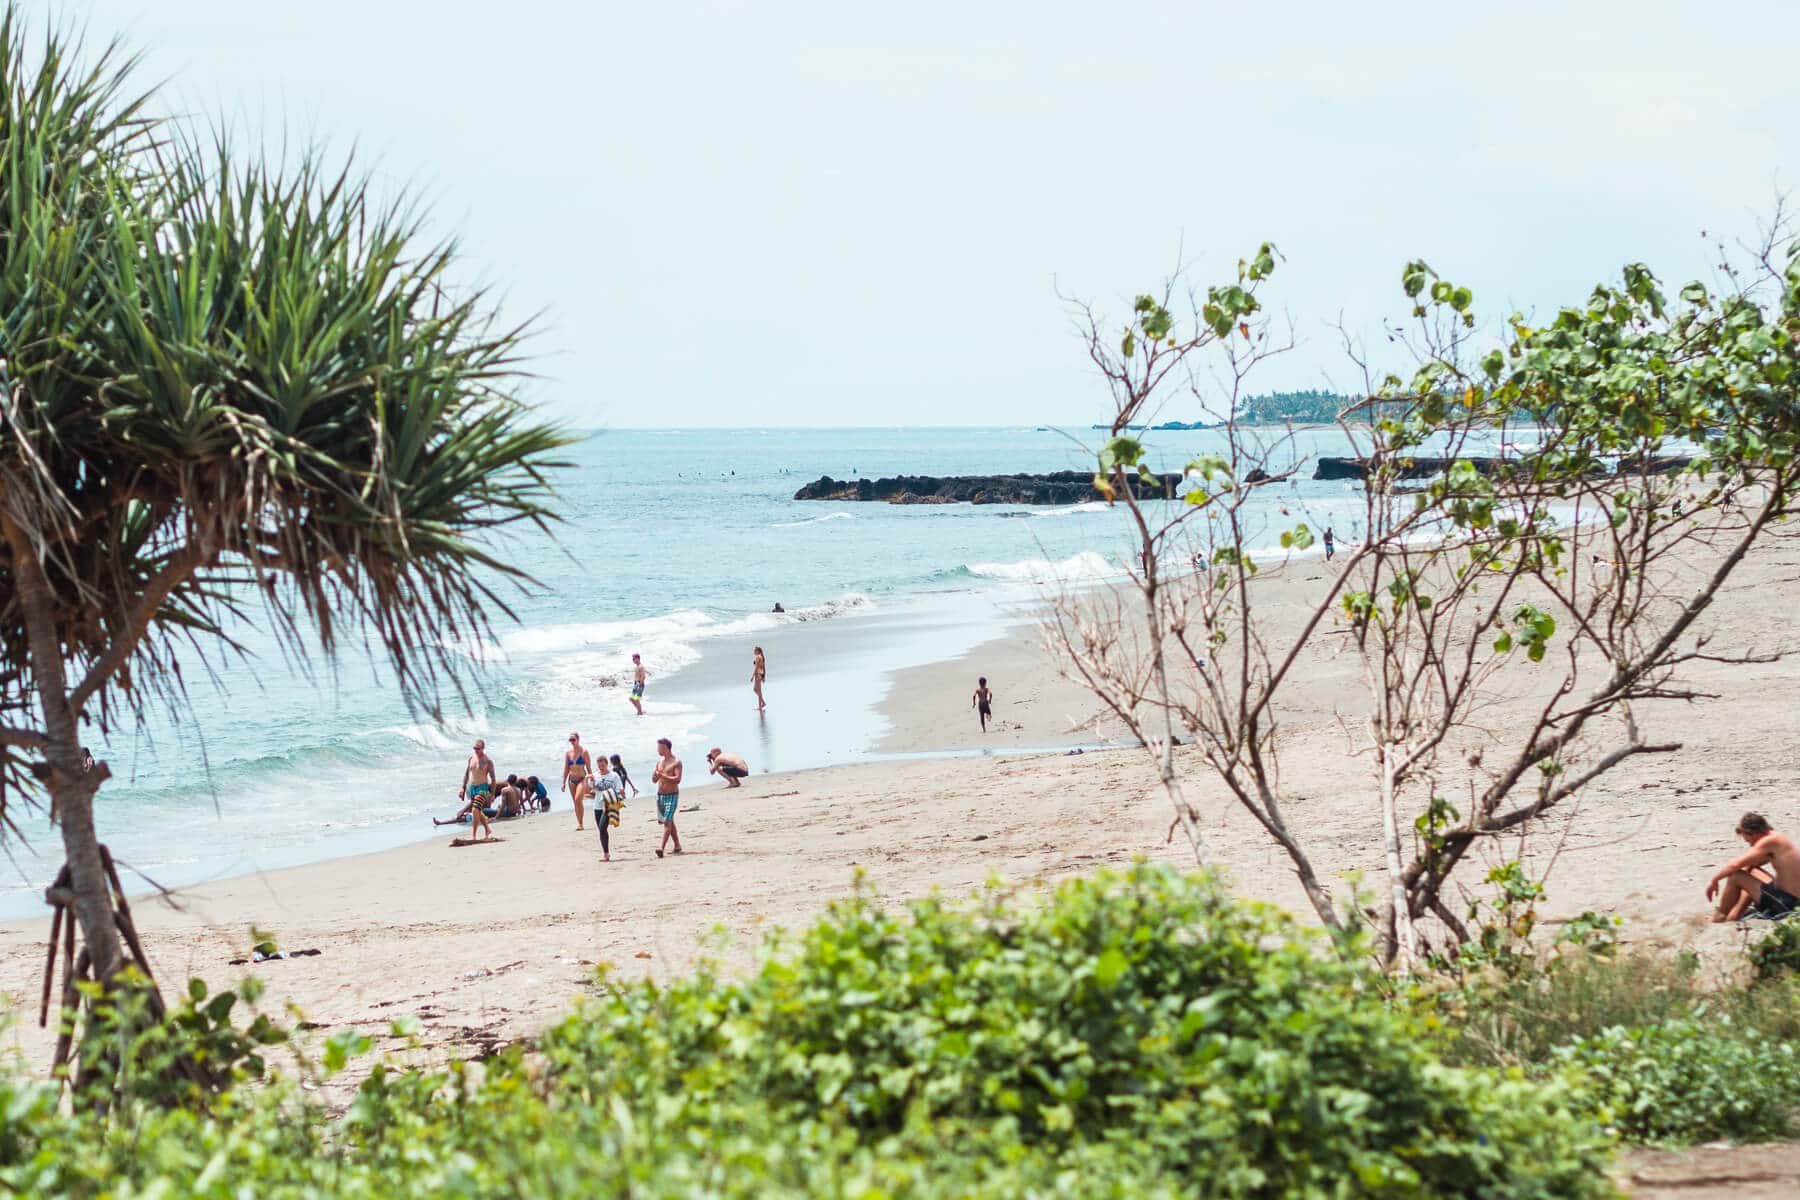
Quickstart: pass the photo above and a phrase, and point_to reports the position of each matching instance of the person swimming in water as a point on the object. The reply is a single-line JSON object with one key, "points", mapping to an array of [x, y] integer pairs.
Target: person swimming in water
{"points": [[577, 766]]}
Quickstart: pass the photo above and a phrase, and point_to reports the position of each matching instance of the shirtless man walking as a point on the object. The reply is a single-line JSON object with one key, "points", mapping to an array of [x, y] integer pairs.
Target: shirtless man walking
{"points": [[1764, 880], [638, 675], [478, 776], [666, 779]]}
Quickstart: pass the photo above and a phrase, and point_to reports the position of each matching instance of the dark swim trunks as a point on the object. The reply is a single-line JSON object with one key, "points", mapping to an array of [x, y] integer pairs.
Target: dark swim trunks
{"points": [[734, 772], [1775, 904]]}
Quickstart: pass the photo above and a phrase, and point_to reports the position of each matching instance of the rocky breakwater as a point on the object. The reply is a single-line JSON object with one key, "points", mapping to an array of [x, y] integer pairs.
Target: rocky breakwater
{"points": [[1057, 487]]}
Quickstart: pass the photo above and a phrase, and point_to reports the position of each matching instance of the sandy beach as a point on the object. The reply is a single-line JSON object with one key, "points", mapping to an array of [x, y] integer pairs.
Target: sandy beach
{"points": [[486, 944]]}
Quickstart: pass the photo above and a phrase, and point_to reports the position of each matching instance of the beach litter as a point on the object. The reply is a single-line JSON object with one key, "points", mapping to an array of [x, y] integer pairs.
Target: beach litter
{"points": [[261, 957], [458, 843]]}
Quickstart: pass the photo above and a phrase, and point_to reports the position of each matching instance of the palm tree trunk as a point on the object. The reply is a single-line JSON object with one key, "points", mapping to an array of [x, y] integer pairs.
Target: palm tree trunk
{"points": [[71, 789]]}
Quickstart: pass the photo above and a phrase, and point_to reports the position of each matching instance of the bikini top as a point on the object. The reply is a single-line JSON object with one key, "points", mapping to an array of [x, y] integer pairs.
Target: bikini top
{"points": [[575, 760]]}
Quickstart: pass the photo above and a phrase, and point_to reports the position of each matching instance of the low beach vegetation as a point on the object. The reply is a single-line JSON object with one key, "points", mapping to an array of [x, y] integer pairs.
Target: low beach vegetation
{"points": [[1125, 1034]]}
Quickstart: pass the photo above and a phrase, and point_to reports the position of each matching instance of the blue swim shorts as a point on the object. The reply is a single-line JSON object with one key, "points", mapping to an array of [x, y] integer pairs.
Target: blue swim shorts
{"points": [[480, 789], [665, 805]]}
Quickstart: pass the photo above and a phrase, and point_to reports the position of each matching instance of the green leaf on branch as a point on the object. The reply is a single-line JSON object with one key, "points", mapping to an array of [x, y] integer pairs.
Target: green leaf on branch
{"points": [[1414, 277], [1209, 466], [1297, 538]]}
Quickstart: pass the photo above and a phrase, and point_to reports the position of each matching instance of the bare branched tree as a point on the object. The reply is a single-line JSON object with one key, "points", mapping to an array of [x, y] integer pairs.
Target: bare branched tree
{"points": [[1543, 520]]}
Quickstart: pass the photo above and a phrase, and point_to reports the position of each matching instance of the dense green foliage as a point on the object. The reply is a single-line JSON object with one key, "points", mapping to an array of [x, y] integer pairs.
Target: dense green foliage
{"points": [[1777, 955], [1689, 1080], [1128, 1035]]}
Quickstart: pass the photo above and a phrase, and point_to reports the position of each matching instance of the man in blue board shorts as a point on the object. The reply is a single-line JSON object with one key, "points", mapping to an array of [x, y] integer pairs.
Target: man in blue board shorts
{"points": [[666, 779]]}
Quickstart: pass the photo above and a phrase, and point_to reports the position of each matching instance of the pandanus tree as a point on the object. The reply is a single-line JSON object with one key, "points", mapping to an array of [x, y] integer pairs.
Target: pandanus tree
{"points": [[228, 391]]}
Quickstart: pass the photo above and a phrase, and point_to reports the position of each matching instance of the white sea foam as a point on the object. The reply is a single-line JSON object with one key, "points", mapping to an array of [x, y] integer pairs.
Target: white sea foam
{"points": [[1084, 507], [836, 516], [1084, 567]]}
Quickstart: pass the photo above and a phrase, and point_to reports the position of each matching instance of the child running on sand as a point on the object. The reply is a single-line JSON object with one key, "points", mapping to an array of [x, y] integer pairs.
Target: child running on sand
{"points": [[983, 702], [618, 766]]}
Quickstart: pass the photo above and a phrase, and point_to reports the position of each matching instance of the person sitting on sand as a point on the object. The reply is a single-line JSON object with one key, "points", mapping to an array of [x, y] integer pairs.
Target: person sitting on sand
{"points": [[536, 795], [983, 703], [729, 767], [666, 778], [472, 812], [512, 799], [478, 775], [1765, 880]]}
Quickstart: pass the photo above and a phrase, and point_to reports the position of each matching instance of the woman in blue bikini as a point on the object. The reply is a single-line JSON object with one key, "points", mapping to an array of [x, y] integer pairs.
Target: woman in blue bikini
{"points": [[577, 766]]}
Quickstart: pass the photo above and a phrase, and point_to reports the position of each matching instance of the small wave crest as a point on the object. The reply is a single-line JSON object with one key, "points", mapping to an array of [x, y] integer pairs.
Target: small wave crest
{"points": [[1084, 567], [1085, 506], [836, 516], [598, 653]]}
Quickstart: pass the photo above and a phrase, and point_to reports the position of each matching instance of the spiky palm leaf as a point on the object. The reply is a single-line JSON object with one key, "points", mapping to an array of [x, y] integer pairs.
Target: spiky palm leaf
{"points": [[229, 385]]}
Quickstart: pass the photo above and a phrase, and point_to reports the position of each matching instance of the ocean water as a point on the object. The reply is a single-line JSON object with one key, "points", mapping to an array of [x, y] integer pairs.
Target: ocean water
{"points": [[675, 545]]}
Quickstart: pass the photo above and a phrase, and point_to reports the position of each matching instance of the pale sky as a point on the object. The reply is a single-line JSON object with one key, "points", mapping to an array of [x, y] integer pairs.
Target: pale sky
{"points": [[849, 214]]}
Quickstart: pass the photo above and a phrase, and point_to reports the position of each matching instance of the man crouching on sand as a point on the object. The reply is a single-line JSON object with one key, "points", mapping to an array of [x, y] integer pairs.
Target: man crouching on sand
{"points": [[666, 778], [1765, 880], [729, 767]]}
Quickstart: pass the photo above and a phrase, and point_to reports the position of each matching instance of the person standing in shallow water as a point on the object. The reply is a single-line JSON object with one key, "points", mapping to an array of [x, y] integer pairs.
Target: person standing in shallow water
{"points": [[759, 670], [638, 675], [983, 701]]}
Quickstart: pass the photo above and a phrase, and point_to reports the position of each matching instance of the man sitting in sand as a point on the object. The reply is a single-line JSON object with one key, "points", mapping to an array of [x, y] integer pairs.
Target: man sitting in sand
{"points": [[729, 767], [1765, 880], [666, 779]]}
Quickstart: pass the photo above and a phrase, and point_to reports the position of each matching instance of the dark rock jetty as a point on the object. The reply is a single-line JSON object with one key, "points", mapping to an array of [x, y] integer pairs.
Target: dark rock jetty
{"points": [[1057, 487]]}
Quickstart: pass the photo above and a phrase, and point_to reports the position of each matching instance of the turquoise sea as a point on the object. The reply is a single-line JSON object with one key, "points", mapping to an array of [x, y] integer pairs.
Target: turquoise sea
{"points": [[675, 544]]}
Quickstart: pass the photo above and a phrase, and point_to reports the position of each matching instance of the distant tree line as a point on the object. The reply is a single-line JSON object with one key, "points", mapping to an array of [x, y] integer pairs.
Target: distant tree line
{"points": [[1296, 408]]}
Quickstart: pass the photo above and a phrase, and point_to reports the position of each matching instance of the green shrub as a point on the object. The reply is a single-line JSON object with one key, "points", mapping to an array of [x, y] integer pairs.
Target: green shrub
{"points": [[1688, 1080], [1518, 1019], [1127, 1035], [1777, 955]]}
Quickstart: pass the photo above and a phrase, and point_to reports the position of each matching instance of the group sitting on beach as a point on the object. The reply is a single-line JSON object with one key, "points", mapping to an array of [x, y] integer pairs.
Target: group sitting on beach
{"points": [[483, 801], [599, 781]]}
